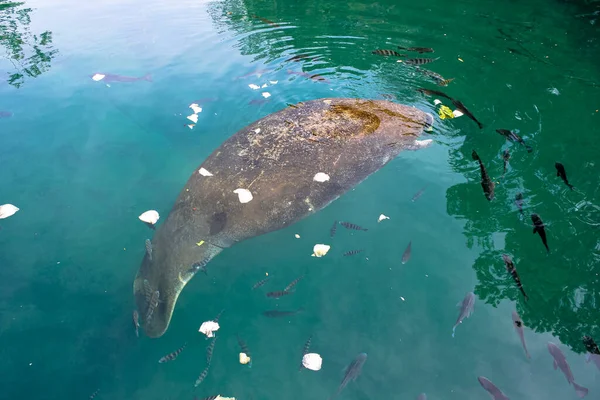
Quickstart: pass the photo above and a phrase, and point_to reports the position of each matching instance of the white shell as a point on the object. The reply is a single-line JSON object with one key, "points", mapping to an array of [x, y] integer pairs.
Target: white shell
{"points": [[244, 359], [193, 117], [150, 217], [98, 77], [320, 250], [244, 195], [264, 86], [7, 210], [253, 86], [297, 236], [266, 95], [321, 177], [457, 113], [204, 172], [382, 217], [312, 361], [273, 82], [195, 108], [208, 328]]}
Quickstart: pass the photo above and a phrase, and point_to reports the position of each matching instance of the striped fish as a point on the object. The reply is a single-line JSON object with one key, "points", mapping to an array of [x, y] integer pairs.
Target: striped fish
{"points": [[149, 249], [420, 61], [94, 394], [278, 294], [419, 50], [216, 319], [293, 283], [260, 283], [152, 305], [381, 52], [172, 356], [147, 291], [202, 376], [333, 229], [352, 252], [305, 351], [355, 227], [445, 82], [209, 397], [243, 346], [510, 267], [209, 350]]}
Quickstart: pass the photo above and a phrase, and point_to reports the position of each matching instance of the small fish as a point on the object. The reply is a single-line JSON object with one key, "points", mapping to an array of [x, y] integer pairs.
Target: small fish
{"points": [[383, 52], [278, 294], [419, 194], [209, 350], [136, 322], [243, 346], [538, 227], [492, 389], [305, 351], [277, 313], [266, 21], [152, 305], [147, 291], [293, 283], [466, 309], [298, 57], [440, 80], [460, 106], [518, 324], [317, 77], [119, 78], [407, 252], [420, 61], [560, 171], [593, 353], [486, 183], [560, 361], [420, 50], [349, 225], [352, 252], [216, 319], [94, 394], [445, 82], [519, 202], [352, 372], [202, 376], [261, 283], [510, 267], [505, 157], [5, 114], [172, 356], [512, 136], [149, 249], [333, 229]]}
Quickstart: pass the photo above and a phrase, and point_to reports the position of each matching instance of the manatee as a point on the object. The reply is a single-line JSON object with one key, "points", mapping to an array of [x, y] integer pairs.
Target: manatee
{"points": [[275, 158]]}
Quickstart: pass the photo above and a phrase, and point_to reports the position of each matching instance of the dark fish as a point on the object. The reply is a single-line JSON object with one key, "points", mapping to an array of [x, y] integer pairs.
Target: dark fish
{"points": [[305, 350], [560, 171], [466, 309], [243, 346], [431, 92], [486, 183], [277, 313], [560, 361], [300, 57], [505, 157], [384, 52], [278, 294], [293, 283], [510, 267], [519, 202], [420, 61], [512, 136], [172, 356], [119, 78], [352, 372], [420, 50], [407, 252], [5, 114], [593, 353], [258, 101], [136, 322], [216, 319], [349, 225], [538, 227], [261, 283], [460, 106], [352, 252], [94, 394], [202, 376], [518, 323], [266, 21], [209, 350], [440, 80], [492, 389], [333, 229], [152, 305], [419, 194], [149, 249]]}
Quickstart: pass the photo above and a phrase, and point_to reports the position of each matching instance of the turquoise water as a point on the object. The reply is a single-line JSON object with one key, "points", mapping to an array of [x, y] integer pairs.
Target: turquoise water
{"points": [[82, 160]]}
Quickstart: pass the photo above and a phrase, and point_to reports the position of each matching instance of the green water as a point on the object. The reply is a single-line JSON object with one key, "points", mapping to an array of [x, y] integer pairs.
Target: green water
{"points": [[82, 160]]}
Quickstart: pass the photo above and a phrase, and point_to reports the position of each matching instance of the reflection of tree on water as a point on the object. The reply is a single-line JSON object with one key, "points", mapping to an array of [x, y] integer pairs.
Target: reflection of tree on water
{"points": [[29, 54], [563, 286]]}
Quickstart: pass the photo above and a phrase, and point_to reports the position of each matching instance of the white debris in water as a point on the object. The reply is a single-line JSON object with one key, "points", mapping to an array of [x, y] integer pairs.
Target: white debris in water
{"points": [[382, 217], [312, 361], [204, 172], [402, 298], [195, 108], [266, 95], [297, 236], [437, 101], [273, 82], [244, 195], [321, 177], [244, 359], [98, 77], [320, 250], [264, 86], [191, 126], [193, 118], [457, 113], [149, 217], [553, 91], [257, 130], [7, 210], [423, 143], [219, 397], [253, 86], [208, 328]]}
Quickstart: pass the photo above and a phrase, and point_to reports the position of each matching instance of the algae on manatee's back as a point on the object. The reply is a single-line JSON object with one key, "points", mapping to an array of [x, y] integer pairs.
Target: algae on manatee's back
{"points": [[275, 159]]}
